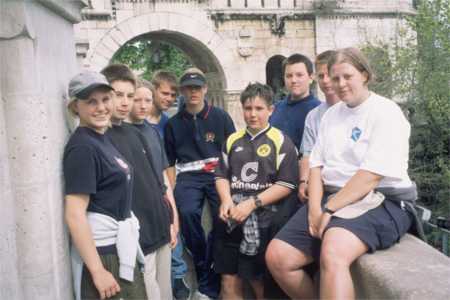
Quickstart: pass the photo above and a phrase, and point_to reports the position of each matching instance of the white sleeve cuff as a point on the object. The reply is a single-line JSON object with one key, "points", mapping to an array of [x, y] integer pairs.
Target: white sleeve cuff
{"points": [[126, 272]]}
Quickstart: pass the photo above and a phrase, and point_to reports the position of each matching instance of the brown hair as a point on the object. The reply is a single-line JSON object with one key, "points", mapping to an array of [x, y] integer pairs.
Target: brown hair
{"points": [[165, 76], [295, 59], [354, 57], [119, 72], [324, 57], [257, 89]]}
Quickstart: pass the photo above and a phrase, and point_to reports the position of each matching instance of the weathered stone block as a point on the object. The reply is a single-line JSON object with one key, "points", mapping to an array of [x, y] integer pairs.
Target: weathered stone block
{"points": [[410, 269]]}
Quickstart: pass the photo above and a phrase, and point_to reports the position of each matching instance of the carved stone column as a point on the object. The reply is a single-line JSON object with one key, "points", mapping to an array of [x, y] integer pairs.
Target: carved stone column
{"points": [[37, 54]]}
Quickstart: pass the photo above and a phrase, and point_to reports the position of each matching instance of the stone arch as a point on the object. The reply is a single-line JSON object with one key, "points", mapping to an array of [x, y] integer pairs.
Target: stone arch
{"points": [[206, 48]]}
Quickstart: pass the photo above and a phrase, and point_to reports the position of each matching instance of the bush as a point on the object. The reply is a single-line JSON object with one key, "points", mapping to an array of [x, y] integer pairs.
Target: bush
{"points": [[416, 68]]}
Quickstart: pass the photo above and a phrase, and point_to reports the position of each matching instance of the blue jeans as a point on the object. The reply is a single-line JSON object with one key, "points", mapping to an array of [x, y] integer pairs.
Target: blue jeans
{"points": [[179, 267]]}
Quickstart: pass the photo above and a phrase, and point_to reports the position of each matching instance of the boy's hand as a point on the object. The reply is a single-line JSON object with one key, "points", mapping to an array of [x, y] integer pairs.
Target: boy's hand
{"points": [[225, 209], [303, 192], [241, 211]]}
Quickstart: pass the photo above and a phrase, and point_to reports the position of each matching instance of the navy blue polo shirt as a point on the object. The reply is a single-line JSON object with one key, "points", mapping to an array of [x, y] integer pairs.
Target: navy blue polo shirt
{"points": [[289, 116], [194, 141]]}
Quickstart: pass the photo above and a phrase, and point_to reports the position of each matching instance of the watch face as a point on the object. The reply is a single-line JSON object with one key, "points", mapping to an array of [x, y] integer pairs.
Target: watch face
{"points": [[258, 202]]}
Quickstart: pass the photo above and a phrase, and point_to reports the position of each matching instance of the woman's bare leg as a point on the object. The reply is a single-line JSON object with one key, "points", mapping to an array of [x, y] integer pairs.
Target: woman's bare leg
{"points": [[340, 248]]}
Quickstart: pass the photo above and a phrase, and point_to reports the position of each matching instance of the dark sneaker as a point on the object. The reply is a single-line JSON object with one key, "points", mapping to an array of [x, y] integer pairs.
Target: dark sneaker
{"points": [[180, 289]]}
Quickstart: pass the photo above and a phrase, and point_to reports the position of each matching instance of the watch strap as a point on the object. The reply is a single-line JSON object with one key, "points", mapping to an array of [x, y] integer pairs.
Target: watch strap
{"points": [[327, 210]]}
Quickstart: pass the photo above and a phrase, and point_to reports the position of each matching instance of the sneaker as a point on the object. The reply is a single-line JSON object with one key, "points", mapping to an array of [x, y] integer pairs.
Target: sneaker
{"points": [[200, 296], [180, 289]]}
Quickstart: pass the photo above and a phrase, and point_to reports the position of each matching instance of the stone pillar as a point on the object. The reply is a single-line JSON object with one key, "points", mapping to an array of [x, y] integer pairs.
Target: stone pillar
{"points": [[9, 277], [37, 52], [234, 108]]}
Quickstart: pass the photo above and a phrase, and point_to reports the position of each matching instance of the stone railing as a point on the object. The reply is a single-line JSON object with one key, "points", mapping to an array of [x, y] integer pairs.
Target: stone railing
{"points": [[106, 9], [262, 4], [409, 270]]}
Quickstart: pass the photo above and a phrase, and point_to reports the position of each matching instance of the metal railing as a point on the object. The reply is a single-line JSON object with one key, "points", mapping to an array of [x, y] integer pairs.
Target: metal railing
{"points": [[438, 237]]}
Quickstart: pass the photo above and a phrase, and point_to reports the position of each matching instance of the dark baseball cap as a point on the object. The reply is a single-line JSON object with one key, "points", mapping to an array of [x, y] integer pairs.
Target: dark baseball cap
{"points": [[192, 79], [83, 84]]}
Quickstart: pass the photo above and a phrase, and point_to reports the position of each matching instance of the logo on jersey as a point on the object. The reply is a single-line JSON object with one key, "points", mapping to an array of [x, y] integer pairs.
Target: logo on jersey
{"points": [[124, 166], [210, 136], [263, 150], [249, 171], [121, 163], [238, 149], [356, 133]]}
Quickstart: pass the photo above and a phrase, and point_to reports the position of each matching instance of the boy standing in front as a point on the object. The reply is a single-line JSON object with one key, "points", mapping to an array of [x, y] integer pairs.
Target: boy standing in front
{"points": [[193, 140], [256, 173]]}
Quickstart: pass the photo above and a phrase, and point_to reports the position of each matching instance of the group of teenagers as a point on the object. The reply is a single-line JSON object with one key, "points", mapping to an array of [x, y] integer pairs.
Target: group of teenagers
{"points": [[305, 189]]}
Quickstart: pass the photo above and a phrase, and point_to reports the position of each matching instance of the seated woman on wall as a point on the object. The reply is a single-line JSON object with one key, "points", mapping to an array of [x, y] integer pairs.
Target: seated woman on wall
{"points": [[98, 184], [357, 188]]}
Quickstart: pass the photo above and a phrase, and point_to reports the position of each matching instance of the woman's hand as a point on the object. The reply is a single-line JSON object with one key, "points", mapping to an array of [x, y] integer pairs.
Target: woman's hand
{"points": [[324, 220], [225, 210], [314, 218], [105, 283], [241, 211]]}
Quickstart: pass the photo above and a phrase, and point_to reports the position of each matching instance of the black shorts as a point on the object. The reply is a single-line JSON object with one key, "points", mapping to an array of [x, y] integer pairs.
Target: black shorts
{"points": [[379, 228], [229, 260]]}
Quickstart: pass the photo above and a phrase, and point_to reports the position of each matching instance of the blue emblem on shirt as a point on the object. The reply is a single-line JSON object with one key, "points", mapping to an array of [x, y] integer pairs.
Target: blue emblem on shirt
{"points": [[356, 133]]}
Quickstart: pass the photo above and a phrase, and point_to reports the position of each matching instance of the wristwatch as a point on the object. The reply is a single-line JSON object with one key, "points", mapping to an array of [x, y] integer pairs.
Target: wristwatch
{"points": [[327, 210], [257, 201]]}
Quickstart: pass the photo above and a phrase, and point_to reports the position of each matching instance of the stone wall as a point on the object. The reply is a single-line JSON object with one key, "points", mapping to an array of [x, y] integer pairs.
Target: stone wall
{"points": [[37, 54], [410, 269], [234, 40]]}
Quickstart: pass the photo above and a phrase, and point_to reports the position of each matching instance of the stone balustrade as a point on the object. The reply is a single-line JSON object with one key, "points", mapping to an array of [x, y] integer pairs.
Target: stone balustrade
{"points": [[255, 5]]}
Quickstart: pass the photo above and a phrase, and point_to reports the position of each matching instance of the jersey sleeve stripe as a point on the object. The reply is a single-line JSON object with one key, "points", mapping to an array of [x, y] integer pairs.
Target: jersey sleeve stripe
{"points": [[286, 184], [233, 138], [278, 139]]}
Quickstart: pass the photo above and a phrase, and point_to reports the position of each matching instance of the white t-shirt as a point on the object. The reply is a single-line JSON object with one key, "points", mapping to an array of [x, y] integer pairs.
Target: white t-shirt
{"points": [[311, 131], [372, 136]]}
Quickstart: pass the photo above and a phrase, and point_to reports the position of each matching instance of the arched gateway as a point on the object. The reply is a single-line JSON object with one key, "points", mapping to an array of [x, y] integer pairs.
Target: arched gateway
{"points": [[205, 48]]}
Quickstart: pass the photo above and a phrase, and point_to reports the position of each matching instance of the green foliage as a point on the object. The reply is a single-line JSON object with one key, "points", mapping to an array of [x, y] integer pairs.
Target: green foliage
{"points": [[416, 68], [382, 83], [147, 56]]}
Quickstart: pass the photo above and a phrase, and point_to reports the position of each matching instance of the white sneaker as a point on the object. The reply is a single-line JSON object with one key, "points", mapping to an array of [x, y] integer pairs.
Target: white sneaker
{"points": [[199, 296]]}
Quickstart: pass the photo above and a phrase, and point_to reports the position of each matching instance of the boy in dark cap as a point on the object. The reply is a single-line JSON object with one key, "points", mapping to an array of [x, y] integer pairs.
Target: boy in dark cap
{"points": [[193, 140]]}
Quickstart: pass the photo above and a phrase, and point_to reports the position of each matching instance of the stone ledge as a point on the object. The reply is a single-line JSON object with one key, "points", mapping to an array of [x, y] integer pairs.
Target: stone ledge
{"points": [[409, 270], [70, 10]]}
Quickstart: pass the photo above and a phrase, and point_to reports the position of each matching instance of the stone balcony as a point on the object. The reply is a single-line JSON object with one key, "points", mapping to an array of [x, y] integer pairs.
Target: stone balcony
{"points": [[117, 9]]}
